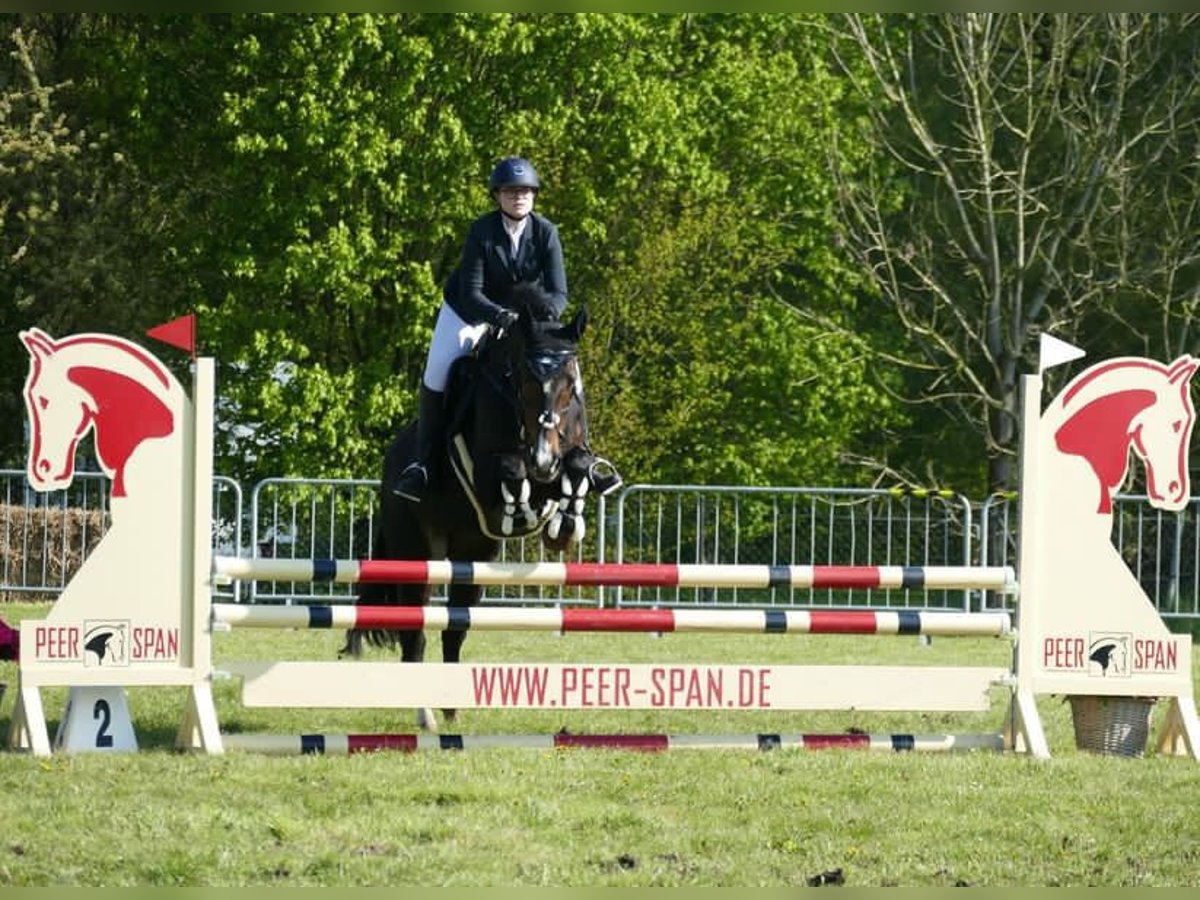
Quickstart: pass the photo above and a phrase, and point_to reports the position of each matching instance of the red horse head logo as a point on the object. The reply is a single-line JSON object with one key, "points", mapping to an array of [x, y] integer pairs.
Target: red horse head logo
{"points": [[1132, 404], [97, 383]]}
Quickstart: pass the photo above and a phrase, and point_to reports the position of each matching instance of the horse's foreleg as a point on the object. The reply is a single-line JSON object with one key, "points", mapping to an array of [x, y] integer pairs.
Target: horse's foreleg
{"points": [[515, 494], [567, 526]]}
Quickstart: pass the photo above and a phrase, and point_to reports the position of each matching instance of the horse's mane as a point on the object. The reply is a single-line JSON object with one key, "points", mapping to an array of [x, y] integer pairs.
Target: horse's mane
{"points": [[532, 299], [542, 330]]}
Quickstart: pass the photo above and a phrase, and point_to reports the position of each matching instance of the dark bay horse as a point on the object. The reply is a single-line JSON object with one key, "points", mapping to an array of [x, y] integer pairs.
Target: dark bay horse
{"points": [[517, 464]]}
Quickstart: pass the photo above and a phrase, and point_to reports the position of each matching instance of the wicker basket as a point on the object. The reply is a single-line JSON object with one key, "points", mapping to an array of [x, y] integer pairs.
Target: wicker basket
{"points": [[1115, 726]]}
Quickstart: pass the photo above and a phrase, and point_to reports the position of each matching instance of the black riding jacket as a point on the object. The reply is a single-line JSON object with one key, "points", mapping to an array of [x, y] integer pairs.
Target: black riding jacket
{"points": [[483, 281]]}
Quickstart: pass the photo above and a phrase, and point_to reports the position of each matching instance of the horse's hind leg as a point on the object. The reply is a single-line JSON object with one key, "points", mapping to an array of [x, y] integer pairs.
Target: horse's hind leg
{"points": [[412, 646], [458, 596], [412, 649]]}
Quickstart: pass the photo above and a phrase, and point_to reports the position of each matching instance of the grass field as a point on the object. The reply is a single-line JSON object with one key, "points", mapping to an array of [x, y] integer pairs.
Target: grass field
{"points": [[582, 818]]}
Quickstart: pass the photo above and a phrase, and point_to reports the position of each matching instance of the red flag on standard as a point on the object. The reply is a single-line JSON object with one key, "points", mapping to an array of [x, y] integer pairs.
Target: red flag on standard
{"points": [[179, 333]]}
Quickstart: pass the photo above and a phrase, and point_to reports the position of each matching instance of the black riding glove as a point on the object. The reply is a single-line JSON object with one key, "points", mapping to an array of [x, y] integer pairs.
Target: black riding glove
{"points": [[505, 318]]}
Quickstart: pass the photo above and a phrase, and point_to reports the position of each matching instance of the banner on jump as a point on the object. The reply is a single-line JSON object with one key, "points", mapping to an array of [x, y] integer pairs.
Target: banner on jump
{"points": [[600, 686]]}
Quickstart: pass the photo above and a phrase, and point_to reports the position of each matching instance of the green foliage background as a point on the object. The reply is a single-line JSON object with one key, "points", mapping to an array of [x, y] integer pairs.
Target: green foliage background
{"points": [[302, 182]]}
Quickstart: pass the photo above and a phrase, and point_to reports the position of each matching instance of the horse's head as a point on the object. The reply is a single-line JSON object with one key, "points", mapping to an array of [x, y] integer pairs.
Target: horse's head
{"points": [[92, 382], [60, 413], [1138, 404], [550, 390], [1161, 434]]}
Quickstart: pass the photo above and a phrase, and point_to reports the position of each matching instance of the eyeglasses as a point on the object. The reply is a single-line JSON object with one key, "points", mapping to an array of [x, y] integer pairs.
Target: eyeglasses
{"points": [[516, 191]]}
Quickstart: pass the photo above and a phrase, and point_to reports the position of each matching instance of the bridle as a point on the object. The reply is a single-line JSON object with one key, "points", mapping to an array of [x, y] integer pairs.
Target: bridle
{"points": [[516, 367], [545, 367]]}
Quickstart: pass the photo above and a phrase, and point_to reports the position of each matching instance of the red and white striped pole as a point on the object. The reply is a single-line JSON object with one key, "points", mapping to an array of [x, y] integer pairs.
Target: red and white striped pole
{"points": [[381, 571]]}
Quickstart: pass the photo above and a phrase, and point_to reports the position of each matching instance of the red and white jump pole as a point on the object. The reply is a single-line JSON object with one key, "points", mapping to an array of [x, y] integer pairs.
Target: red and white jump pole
{"points": [[564, 619], [382, 571], [348, 744]]}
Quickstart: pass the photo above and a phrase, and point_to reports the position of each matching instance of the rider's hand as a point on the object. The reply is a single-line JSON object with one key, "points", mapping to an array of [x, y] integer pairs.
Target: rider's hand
{"points": [[505, 319]]}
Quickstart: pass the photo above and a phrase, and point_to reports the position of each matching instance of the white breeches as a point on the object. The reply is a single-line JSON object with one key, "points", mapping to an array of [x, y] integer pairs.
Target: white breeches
{"points": [[452, 338]]}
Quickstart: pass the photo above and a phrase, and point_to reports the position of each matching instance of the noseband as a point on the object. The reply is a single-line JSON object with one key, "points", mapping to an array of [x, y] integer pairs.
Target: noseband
{"points": [[544, 366]]}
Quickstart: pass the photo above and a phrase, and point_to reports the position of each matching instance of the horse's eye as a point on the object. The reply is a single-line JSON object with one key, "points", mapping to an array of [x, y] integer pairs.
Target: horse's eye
{"points": [[44, 402], [1177, 426]]}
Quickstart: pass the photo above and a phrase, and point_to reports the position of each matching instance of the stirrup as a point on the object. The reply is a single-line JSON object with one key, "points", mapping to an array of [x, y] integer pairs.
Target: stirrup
{"points": [[604, 477], [412, 482]]}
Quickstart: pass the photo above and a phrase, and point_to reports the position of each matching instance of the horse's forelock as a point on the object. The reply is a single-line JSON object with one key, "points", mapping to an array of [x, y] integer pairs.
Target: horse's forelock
{"points": [[548, 337], [538, 303]]}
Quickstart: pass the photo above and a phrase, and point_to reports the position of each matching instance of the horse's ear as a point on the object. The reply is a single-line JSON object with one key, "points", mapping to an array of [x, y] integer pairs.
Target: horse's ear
{"points": [[525, 320], [578, 325]]}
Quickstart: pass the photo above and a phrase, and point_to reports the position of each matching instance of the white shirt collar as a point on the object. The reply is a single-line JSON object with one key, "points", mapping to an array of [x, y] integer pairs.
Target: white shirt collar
{"points": [[514, 229]]}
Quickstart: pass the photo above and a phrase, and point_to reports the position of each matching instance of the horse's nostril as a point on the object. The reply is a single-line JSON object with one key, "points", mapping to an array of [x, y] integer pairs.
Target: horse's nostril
{"points": [[43, 466]]}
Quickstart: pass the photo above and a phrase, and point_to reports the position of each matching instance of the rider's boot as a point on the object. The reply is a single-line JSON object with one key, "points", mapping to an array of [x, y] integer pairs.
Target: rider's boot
{"points": [[602, 474], [431, 420]]}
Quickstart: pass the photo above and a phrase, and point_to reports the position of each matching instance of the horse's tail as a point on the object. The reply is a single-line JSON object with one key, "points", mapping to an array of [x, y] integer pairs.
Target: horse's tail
{"points": [[372, 595], [398, 454]]}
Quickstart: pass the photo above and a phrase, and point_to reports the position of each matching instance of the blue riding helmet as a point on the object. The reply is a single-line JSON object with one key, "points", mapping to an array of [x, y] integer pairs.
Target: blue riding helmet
{"points": [[513, 171]]}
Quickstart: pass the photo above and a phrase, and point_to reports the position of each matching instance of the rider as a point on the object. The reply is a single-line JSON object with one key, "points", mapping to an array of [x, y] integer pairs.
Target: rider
{"points": [[510, 244]]}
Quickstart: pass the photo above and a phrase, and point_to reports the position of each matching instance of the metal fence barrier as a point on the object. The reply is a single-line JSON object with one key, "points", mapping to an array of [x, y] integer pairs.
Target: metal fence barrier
{"points": [[796, 526], [1162, 549], [298, 518], [45, 537]]}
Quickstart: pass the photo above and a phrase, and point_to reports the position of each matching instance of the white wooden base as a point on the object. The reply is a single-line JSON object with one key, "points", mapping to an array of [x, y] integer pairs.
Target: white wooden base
{"points": [[614, 686]]}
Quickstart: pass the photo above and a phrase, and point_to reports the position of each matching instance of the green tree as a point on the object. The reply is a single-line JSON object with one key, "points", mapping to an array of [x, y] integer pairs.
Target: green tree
{"points": [[1050, 172], [309, 179], [699, 202], [87, 234], [35, 144]]}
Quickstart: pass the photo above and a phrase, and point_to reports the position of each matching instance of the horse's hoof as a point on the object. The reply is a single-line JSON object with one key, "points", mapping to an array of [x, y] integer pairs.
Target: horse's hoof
{"points": [[451, 715], [427, 721]]}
